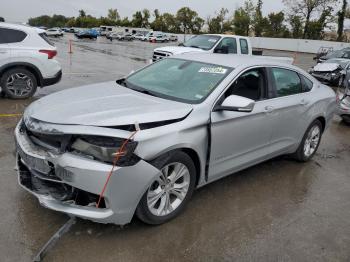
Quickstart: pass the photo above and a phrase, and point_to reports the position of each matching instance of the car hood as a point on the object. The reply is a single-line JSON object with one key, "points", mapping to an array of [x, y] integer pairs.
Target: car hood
{"points": [[104, 104], [176, 50], [326, 67]]}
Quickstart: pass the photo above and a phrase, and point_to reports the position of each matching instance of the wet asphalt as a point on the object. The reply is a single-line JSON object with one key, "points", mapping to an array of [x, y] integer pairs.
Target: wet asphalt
{"points": [[280, 210]]}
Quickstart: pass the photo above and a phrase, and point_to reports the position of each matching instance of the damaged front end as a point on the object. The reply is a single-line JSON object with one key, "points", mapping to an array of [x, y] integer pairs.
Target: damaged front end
{"points": [[328, 73], [67, 172]]}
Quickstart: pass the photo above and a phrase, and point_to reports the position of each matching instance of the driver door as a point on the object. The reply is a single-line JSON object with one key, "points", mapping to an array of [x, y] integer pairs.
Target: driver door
{"points": [[241, 139]]}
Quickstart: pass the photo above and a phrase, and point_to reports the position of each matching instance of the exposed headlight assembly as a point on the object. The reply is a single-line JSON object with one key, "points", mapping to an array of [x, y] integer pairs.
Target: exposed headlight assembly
{"points": [[105, 149]]}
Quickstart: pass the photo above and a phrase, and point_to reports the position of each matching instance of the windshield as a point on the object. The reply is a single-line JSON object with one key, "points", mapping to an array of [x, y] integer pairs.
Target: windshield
{"points": [[205, 42], [178, 79]]}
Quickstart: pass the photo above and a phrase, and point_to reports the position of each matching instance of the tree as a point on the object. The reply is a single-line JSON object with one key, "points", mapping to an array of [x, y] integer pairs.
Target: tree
{"points": [[276, 27], [82, 13], [341, 18], [307, 8], [137, 19], [145, 18], [316, 27], [171, 23], [2, 19], [259, 23], [188, 20], [243, 17], [113, 14], [296, 25], [241, 22], [218, 24]]}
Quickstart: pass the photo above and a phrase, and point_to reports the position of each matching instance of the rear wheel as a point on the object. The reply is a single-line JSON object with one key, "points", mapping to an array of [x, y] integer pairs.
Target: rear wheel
{"points": [[310, 142], [18, 83], [169, 193]]}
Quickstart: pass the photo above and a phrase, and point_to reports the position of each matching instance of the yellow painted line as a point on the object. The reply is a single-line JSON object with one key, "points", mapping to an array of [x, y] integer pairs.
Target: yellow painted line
{"points": [[10, 115]]}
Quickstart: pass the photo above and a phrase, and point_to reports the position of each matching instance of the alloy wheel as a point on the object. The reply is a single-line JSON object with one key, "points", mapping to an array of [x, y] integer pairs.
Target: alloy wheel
{"points": [[169, 190], [312, 141], [19, 84]]}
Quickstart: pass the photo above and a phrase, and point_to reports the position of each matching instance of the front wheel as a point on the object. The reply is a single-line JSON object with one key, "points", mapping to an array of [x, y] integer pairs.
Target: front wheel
{"points": [[169, 192], [18, 83], [310, 142]]}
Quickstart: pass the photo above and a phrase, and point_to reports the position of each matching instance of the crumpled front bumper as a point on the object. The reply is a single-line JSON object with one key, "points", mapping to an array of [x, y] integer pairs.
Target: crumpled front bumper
{"points": [[124, 191]]}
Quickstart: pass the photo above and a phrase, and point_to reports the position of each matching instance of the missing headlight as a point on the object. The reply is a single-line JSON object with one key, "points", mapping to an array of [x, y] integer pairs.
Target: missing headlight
{"points": [[104, 149]]}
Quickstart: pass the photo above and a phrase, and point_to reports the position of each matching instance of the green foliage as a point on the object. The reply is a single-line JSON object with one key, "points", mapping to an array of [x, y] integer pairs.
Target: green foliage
{"points": [[306, 19], [219, 24], [276, 27], [188, 20], [296, 25], [48, 21], [113, 14]]}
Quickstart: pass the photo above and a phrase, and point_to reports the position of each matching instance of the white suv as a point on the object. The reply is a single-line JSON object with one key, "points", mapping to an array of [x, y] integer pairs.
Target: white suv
{"points": [[26, 61]]}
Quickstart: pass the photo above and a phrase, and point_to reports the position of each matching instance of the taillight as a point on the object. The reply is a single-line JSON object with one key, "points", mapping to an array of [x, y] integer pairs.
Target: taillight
{"points": [[50, 53]]}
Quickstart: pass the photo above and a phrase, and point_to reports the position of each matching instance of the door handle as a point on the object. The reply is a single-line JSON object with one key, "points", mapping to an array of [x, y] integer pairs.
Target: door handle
{"points": [[304, 102], [269, 109]]}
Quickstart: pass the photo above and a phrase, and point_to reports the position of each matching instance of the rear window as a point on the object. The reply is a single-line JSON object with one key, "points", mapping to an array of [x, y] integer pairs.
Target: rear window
{"points": [[244, 46], [46, 39], [287, 82], [8, 36]]}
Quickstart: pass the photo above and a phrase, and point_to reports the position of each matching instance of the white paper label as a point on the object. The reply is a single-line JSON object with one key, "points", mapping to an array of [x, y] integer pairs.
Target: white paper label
{"points": [[213, 70]]}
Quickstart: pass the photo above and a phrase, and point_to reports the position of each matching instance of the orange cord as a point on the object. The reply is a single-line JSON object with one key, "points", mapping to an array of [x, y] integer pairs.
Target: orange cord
{"points": [[115, 161]]}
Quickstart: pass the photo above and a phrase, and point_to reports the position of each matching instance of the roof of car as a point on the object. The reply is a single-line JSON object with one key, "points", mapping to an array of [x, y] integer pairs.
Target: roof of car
{"points": [[231, 60], [22, 27], [225, 35]]}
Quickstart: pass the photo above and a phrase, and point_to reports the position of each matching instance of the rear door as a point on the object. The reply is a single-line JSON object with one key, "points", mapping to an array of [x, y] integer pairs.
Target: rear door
{"points": [[290, 106]]}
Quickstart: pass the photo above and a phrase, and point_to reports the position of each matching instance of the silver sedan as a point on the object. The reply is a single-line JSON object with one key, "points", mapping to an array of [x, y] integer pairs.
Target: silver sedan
{"points": [[108, 151]]}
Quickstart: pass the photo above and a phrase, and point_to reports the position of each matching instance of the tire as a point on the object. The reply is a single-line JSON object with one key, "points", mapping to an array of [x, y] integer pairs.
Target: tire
{"points": [[18, 83], [153, 208], [309, 144], [346, 119]]}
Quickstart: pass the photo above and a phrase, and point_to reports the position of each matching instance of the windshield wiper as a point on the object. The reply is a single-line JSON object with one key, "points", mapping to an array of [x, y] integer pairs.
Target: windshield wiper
{"points": [[194, 46]]}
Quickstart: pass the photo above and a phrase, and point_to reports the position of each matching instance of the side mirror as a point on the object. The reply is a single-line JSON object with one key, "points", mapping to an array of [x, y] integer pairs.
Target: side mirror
{"points": [[237, 104], [222, 50], [181, 44]]}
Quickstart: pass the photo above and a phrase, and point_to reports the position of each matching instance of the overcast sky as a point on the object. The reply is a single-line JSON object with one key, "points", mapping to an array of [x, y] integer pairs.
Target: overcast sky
{"points": [[21, 10]]}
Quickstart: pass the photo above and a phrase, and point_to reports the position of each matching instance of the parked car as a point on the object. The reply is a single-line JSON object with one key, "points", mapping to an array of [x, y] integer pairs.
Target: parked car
{"points": [[173, 38], [332, 71], [160, 37], [156, 135], [343, 99], [138, 36], [89, 33], [147, 36], [113, 35], [126, 37], [26, 60], [343, 53], [55, 32]]}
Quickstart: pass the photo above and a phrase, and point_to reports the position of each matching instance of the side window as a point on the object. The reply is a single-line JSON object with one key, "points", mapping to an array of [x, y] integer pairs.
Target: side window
{"points": [[8, 36], [228, 44], [287, 82], [251, 84], [244, 46], [307, 83]]}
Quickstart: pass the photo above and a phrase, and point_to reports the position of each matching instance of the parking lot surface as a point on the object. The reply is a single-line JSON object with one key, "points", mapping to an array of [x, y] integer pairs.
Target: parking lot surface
{"points": [[280, 210]]}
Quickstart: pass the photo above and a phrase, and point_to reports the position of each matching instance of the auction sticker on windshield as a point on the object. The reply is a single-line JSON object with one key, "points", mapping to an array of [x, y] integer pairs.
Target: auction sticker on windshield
{"points": [[213, 40], [213, 70]]}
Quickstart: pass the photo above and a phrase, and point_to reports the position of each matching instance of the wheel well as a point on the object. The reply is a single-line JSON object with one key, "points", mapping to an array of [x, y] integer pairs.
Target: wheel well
{"points": [[194, 156], [323, 122], [29, 68]]}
